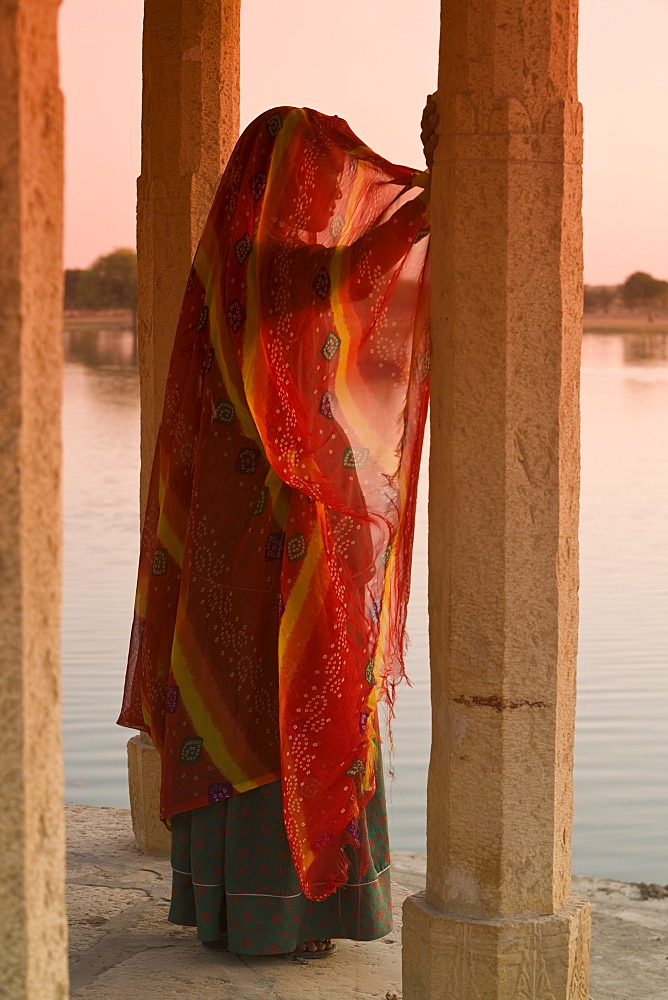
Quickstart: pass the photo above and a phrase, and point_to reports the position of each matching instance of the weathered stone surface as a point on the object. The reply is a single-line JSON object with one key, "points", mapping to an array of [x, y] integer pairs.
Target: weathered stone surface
{"points": [[92, 908], [509, 958], [33, 939], [504, 474], [151, 834], [190, 123], [503, 506], [122, 945]]}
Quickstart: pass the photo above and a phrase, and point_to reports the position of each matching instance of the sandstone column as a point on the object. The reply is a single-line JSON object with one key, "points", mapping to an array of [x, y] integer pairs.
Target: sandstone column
{"points": [[497, 919], [33, 929], [190, 122]]}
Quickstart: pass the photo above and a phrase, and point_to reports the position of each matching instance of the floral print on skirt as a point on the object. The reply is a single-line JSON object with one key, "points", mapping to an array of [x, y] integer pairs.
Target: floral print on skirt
{"points": [[233, 876]]}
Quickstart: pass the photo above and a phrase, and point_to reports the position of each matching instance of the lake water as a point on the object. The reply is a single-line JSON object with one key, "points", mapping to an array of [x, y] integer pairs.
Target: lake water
{"points": [[621, 765]]}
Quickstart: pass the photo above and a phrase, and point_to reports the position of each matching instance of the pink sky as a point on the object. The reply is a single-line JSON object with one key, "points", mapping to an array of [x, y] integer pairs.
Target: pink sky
{"points": [[368, 62]]}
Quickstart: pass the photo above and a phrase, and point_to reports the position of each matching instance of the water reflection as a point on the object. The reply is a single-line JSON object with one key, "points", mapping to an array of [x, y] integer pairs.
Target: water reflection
{"points": [[101, 515], [621, 792], [618, 350], [96, 348], [646, 348], [621, 747]]}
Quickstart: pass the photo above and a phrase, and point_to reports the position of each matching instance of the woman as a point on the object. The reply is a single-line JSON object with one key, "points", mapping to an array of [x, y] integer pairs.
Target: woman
{"points": [[275, 556]]}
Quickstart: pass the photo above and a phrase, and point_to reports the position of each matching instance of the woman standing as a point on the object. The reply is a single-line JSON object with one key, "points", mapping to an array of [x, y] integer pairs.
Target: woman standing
{"points": [[275, 556]]}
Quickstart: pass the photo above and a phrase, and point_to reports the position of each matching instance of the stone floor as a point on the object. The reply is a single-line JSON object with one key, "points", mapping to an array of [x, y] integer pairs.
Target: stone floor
{"points": [[122, 946]]}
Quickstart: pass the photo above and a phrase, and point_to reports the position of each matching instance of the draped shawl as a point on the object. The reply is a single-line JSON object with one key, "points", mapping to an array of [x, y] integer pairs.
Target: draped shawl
{"points": [[275, 554]]}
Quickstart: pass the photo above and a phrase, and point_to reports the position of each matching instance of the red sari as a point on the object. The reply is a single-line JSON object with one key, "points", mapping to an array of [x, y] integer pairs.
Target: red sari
{"points": [[275, 556]]}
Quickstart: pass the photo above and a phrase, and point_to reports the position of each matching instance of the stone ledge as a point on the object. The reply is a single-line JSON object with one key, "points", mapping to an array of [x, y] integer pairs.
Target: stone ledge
{"points": [[526, 955], [122, 946]]}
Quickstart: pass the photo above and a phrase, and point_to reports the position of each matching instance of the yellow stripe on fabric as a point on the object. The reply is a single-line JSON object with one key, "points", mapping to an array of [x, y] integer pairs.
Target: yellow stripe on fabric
{"points": [[205, 271], [361, 151], [383, 455], [141, 595], [280, 496], [371, 760], [251, 335], [240, 403], [302, 591], [384, 623], [204, 725], [168, 535], [171, 541]]}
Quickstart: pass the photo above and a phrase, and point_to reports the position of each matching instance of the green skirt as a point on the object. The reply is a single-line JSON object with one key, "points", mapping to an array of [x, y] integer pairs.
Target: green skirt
{"points": [[233, 877]]}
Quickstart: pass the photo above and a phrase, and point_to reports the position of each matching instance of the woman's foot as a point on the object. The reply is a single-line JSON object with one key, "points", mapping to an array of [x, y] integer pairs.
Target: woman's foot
{"points": [[320, 948]]}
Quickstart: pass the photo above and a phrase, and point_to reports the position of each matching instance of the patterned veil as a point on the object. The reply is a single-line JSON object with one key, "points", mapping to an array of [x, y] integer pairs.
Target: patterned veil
{"points": [[275, 555]]}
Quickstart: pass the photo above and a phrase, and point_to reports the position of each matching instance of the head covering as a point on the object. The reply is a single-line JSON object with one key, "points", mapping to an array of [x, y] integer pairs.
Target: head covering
{"points": [[275, 556]]}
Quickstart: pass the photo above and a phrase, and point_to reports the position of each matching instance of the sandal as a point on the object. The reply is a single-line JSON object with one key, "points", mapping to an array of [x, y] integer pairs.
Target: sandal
{"points": [[301, 951]]}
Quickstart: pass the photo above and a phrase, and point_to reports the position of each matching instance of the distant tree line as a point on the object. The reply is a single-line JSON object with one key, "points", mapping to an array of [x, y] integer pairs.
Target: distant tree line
{"points": [[639, 291], [109, 283]]}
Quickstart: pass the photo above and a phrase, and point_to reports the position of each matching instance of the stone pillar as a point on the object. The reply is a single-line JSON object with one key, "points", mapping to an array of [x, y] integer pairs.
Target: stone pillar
{"points": [[497, 920], [151, 834], [190, 123], [33, 928]]}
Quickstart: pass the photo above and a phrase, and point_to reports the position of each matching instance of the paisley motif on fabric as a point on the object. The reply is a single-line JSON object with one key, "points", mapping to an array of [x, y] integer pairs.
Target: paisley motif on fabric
{"points": [[321, 283], [191, 748], [224, 412], [207, 361], [247, 461], [203, 319], [220, 790], [261, 504], [296, 547], [243, 248], [274, 125], [326, 401], [274, 547], [236, 315], [160, 562], [172, 699], [331, 346], [355, 458], [258, 183]]}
